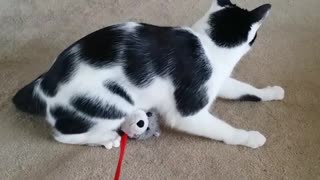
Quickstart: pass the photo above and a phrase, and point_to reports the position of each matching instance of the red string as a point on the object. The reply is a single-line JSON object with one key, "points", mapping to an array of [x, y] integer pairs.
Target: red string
{"points": [[124, 139]]}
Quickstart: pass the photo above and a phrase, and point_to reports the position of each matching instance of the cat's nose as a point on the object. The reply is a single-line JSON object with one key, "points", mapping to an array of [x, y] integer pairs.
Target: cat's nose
{"points": [[140, 124]]}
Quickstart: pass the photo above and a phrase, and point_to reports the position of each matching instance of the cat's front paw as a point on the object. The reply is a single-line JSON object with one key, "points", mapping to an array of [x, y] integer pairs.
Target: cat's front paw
{"points": [[115, 143], [255, 139], [108, 145], [252, 139], [273, 93]]}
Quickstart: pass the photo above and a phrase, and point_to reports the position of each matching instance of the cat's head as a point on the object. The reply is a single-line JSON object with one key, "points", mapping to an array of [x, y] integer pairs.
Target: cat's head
{"points": [[231, 26]]}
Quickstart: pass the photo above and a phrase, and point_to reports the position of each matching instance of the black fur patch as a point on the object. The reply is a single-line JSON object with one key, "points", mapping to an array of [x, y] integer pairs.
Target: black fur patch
{"points": [[102, 48], [98, 49], [118, 90], [27, 101], [96, 108], [190, 72], [230, 26], [152, 51], [191, 99], [59, 73], [139, 56], [169, 52], [69, 122], [250, 98], [253, 40]]}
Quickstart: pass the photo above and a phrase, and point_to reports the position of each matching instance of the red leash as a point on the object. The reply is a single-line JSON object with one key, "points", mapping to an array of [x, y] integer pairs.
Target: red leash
{"points": [[123, 144]]}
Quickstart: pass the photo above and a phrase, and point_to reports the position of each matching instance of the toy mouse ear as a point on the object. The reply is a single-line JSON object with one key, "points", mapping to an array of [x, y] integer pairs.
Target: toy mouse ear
{"points": [[140, 123]]}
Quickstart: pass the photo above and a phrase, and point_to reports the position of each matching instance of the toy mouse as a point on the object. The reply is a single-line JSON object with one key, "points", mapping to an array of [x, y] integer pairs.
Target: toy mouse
{"points": [[135, 123], [138, 125], [142, 125], [153, 128]]}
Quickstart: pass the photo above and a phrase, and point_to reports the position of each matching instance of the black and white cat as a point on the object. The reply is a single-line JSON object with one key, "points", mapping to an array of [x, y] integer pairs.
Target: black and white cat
{"points": [[179, 71]]}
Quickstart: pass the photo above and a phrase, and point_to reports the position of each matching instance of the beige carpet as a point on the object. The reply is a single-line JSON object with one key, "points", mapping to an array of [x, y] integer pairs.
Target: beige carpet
{"points": [[287, 53]]}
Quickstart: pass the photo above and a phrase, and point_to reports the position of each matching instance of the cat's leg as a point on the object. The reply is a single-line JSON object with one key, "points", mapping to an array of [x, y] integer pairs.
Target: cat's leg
{"points": [[108, 139], [110, 144], [206, 125], [236, 90], [71, 127]]}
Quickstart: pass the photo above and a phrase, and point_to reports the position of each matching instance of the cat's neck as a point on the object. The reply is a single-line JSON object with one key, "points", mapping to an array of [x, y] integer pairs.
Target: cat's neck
{"points": [[229, 56]]}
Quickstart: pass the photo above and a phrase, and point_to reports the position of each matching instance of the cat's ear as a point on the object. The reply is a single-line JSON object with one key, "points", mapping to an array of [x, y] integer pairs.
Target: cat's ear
{"points": [[223, 3], [219, 4], [260, 13]]}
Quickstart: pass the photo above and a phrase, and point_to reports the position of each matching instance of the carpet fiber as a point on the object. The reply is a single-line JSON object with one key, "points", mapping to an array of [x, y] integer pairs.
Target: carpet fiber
{"points": [[286, 53]]}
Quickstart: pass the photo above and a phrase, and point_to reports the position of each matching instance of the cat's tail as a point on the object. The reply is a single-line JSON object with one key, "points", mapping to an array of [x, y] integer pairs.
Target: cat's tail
{"points": [[27, 100]]}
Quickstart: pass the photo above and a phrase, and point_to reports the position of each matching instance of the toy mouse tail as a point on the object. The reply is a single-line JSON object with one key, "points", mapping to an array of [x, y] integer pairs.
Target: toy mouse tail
{"points": [[123, 144]]}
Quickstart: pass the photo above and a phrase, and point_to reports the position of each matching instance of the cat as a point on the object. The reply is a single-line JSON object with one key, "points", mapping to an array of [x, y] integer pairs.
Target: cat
{"points": [[179, 71]]}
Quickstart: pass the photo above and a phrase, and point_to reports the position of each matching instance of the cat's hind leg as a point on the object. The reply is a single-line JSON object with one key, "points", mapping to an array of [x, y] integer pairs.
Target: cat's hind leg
{"points": [[106, 139], [237, 90], [70, 127]]}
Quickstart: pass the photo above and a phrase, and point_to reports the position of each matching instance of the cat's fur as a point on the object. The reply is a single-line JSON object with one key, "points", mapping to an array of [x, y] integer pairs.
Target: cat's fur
{"points": [[179, 71]]}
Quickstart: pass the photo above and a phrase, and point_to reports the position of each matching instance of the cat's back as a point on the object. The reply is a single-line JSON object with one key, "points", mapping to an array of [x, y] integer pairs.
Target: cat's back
{"points": [[140, 59], [142, 51]]}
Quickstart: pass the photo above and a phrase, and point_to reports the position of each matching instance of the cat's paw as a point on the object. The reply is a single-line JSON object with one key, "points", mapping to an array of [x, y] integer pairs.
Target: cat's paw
{"points": [[114, 143], [108, 145], [272, 93], [252, 139], [255, 139]]}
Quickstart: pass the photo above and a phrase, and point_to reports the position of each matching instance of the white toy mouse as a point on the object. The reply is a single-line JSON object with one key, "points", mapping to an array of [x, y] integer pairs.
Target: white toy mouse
{"points": [[142, 125], [135, 124], [153, 129]]}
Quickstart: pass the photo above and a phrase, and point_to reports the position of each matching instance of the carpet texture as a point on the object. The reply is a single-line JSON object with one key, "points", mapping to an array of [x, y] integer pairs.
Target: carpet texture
{"points": [[286, 53]]}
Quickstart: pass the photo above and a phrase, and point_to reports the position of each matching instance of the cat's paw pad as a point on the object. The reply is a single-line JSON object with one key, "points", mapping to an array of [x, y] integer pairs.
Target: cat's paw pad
{"points": [[255, 139], [273, 93]]}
